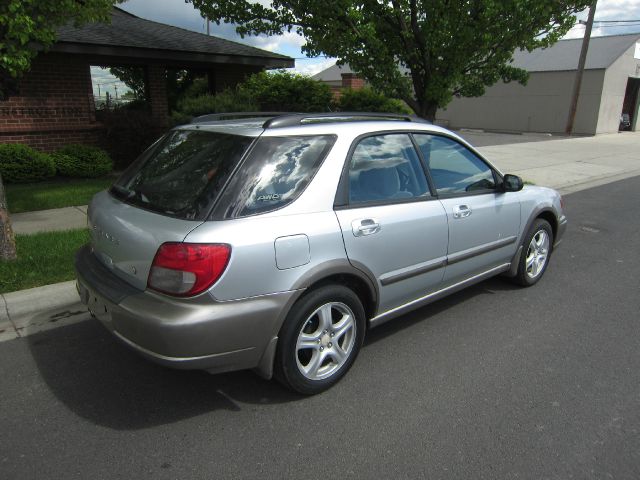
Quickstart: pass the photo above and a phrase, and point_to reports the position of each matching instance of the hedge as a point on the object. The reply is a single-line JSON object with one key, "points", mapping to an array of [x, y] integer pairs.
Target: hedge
{"points": [[287, 92], [22, 164], [82, 161], [368, 100]]}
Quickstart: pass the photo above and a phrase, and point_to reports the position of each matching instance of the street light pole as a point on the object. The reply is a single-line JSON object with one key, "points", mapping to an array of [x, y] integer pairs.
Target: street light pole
{"points": [[583, 58]]}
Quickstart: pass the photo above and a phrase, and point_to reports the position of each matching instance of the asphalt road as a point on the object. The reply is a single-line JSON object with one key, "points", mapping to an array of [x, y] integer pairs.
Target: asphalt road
{"points": [[493, 382]]}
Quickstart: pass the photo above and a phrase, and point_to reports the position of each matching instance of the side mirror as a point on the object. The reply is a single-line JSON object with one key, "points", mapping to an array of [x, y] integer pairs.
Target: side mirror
{"points": [[512, 183]]}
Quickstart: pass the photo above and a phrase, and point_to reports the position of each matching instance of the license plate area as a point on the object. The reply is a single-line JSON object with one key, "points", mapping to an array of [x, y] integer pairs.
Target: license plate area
{"points": [[94, 303]]}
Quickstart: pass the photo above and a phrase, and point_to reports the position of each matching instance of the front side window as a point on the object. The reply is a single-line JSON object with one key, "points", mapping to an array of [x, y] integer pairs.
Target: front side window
{"points": [[454, 168], [386, 168], [182, 174], [274, 174]]}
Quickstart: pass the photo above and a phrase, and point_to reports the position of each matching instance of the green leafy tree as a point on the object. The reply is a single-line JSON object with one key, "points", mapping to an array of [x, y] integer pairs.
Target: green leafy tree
{"points": [[27, 26], [422, 51], [132, 77], [284, 91]]}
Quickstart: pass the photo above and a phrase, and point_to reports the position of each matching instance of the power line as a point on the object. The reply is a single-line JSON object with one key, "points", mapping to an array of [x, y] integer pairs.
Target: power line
{"points": [[616, 21], [620, 26]]}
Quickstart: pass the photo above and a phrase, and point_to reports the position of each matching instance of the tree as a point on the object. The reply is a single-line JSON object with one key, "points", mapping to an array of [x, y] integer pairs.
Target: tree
{"points": [[27, 26], [7, 240], [422, 51], [132, 77]]}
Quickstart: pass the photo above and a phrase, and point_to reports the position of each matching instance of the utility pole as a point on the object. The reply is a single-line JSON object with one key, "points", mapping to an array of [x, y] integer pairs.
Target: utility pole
{"points": [[583, 58], [208, 27]]}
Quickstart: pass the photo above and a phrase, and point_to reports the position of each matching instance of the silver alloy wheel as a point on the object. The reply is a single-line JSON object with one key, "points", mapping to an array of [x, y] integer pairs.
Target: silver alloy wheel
{"points": [[537, 254], [325, 341]]}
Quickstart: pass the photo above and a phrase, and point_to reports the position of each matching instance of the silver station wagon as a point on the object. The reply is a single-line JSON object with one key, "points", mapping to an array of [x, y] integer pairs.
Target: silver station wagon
{"points": [[274, 243]]}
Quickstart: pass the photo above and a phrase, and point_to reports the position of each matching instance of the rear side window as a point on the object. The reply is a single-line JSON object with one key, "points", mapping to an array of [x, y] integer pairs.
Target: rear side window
{"points": [[386, 168], [275, 173], [183, 173]]}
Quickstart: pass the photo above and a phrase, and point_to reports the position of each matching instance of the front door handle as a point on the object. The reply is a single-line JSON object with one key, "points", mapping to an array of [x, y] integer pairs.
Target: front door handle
{"points": [[365, 226], [461, 211]]}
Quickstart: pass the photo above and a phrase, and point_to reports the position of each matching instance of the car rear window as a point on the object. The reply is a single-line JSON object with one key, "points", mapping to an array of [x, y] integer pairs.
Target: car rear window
{"points": [[275, 172], [183, 173]]}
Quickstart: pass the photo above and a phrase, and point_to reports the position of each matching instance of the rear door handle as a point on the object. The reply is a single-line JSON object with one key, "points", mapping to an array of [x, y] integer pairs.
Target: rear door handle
{"points": [[461, 211], [365, 226]]}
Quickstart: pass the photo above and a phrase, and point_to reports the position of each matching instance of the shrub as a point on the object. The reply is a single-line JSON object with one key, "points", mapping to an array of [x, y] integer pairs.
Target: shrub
{"points": [[368, 100], [226, 101], [178, 118], [82, 161], [200, 86], [287, 92], [23, 164]]}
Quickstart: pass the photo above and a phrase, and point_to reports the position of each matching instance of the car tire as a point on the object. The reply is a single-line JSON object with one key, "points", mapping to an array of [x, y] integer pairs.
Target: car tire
{"points": [[536, 251], [320, 339]]}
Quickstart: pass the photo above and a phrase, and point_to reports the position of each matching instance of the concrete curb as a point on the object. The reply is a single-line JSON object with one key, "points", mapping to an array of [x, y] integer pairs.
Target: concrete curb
{"points": [[34, 310]]}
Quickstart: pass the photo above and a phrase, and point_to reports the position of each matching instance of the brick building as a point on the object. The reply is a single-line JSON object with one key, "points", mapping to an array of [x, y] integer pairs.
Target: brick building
{"points": [[53, 104]]}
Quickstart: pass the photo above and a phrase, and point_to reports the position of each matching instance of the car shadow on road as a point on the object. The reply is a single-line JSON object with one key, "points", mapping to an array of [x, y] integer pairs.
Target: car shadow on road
{"points": [[99, 379], [430, 312]]}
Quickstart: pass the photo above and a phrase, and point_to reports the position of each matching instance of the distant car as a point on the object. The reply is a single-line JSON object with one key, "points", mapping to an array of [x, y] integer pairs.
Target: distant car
{"points": [[274, 244]]}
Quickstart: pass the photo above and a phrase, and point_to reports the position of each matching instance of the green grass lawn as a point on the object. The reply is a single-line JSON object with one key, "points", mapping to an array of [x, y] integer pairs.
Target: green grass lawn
{"points": [[43, 258], [56, 193]]}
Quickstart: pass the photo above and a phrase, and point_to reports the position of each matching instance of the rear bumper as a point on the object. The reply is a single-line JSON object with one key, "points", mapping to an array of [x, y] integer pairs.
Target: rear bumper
{"points": [[193, 333]]}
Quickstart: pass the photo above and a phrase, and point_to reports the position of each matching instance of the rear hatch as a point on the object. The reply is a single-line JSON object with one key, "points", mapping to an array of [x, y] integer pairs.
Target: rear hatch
{"points": [[164, 195]]}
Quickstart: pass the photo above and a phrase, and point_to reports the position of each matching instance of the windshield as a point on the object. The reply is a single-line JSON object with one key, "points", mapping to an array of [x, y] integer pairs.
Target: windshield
{"points": [[183, 173]]}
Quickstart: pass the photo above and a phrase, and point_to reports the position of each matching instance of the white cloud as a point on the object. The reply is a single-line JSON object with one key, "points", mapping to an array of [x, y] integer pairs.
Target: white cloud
{"points": [[184, 15], [610, 10], [277, 43], [313, 66], [103, 81]]}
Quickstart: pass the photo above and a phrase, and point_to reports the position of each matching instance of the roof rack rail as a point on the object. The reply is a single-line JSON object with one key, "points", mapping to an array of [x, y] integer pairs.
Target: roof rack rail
{"points": [[301, 118], [213, 117]]}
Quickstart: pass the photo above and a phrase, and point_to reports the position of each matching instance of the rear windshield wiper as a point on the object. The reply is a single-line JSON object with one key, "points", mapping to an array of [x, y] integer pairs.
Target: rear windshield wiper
{"points": [[129, 194]]}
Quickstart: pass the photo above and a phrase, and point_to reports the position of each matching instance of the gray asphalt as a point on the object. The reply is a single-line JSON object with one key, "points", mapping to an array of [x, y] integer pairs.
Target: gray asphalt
{"points": [[493, 382]]}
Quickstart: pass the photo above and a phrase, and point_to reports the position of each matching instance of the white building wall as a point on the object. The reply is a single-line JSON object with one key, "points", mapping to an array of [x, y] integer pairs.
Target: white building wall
{"points": [[615, 84], [540, 106]]}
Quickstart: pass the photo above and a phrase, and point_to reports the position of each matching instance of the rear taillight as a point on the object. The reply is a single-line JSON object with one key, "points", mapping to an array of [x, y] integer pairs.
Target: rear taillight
{"points": [[186, 269], [562, 203]]}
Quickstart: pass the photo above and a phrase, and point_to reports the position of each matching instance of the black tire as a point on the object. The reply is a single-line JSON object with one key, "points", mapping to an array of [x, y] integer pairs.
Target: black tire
{"points": [[305, 318], [525, 276]]}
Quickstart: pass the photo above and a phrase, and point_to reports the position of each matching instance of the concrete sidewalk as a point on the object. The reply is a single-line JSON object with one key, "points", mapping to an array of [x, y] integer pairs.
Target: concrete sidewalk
{"points": [[568, 164], [56, 219]]}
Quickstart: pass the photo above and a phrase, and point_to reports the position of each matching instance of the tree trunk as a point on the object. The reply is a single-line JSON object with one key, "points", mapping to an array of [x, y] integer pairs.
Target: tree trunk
{"points": [[7, 240], [423, 108], [428, 111]]}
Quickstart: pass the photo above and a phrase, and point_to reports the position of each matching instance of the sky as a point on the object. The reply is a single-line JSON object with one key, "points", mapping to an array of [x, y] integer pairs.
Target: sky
{"points": [[184, 15]]}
